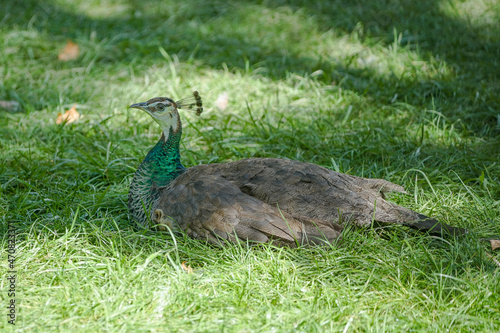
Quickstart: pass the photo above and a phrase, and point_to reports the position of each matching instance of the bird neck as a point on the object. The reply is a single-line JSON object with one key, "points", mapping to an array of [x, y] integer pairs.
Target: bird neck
{"points": [[164, 161], [160, 167]]}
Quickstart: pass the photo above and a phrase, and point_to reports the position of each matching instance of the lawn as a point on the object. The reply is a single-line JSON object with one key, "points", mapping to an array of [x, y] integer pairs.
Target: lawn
{"points": [[408, 91]]}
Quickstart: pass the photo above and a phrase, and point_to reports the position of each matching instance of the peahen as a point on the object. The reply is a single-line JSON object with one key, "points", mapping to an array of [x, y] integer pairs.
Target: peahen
{"points": [[256, 199]]}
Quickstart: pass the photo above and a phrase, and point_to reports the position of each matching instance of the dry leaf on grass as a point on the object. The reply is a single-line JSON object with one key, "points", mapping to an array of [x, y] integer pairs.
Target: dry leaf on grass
{"points": [[69, 116], [11, 106], [495, 244], [70, 52], [188, 269]]}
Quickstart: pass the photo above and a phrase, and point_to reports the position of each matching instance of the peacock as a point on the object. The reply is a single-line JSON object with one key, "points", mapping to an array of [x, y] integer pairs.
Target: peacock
{"points": [[255, 200]]}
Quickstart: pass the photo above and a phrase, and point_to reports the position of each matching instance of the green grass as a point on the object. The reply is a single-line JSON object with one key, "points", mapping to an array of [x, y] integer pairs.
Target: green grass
{"points": [[402, 90]]}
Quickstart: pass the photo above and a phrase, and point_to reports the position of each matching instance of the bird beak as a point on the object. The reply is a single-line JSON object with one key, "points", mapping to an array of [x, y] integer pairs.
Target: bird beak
{"points": [[141, 106]]}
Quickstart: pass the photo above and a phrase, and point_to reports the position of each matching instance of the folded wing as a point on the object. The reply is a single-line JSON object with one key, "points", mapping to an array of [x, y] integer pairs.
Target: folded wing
{"points": [[208, 206]]}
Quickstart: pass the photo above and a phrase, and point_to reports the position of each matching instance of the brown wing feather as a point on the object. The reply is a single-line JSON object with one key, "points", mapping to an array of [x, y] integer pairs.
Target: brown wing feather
{"points": [[208, 206], [286, 201], [305, 189]]}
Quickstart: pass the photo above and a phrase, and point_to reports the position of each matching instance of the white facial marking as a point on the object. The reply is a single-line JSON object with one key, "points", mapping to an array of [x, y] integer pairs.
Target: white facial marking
{"points": [[163, 112], [160, 107]]}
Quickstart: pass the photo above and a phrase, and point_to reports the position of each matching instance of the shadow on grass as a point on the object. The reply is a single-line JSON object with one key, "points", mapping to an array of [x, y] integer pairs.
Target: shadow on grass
{"points": [[134, 31]]}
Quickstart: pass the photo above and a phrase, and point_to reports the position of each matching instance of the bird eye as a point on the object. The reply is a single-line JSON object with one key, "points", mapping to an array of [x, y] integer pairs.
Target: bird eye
{"points": [[160, 107]]}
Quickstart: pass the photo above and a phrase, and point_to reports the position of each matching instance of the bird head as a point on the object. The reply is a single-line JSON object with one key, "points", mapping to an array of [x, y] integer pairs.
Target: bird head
{"points": [[164, 111]]}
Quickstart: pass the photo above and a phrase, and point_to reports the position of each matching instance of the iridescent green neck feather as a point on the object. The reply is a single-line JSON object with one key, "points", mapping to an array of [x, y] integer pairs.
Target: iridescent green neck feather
{"points": [[160, 167]]}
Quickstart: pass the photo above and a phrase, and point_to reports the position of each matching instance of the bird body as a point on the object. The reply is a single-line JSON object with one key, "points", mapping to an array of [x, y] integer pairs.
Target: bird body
{"points": [[257, 199]]}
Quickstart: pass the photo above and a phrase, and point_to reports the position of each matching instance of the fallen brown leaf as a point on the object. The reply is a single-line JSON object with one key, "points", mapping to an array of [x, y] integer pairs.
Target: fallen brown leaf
{"points": [[495, 244], [70, 52], [69, 116], [187, 268]]}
